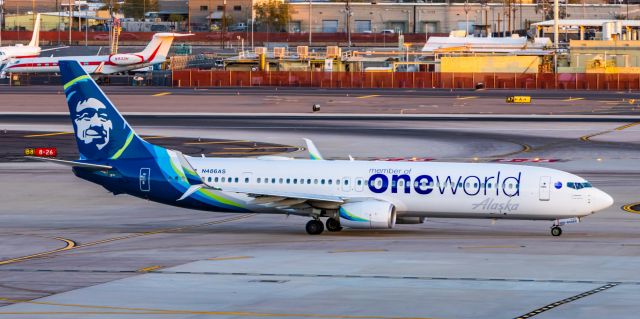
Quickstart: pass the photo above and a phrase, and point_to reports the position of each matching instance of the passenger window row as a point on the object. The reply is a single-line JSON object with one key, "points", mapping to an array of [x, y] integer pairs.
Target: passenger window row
{"points": [[281, 180], [400, 183]]}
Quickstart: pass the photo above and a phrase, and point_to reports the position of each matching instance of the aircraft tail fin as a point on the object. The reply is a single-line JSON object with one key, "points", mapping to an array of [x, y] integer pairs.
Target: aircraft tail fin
{"points": [[35, 38], [101, 132], [159, 46]]}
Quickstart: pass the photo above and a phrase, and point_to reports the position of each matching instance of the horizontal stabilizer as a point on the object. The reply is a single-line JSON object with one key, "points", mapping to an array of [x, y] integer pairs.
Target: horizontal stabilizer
{"points": [[71, 163], [192, 189]]}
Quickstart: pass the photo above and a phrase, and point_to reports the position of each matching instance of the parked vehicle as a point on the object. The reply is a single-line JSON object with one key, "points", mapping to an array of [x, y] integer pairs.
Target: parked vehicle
{"points": [[238, 27]]}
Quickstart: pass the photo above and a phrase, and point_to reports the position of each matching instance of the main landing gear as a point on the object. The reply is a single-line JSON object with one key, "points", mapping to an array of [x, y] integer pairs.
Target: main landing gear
{"points": [[556, 231], [333, 225], [316, 227]]}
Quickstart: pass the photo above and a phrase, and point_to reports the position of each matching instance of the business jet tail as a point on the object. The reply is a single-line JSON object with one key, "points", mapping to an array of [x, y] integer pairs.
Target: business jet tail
{"points": [[101, 132], [158, 48], [35, 38]]}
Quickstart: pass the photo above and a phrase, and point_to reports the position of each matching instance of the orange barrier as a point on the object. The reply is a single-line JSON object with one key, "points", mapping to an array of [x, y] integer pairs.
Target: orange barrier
{"points": [[408, 80]]}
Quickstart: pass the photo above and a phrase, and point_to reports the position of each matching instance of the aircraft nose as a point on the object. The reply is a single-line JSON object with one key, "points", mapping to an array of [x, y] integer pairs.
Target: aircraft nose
{"points": [[601, 200]]}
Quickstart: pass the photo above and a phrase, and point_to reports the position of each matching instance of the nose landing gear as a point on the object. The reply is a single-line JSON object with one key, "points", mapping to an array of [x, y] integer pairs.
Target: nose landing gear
{"points": [[555, 228], [556, 231]]}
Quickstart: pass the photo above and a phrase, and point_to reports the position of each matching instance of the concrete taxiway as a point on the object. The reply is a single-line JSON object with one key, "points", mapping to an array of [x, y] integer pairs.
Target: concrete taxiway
{"points": [[71, 250], [353, 101]]}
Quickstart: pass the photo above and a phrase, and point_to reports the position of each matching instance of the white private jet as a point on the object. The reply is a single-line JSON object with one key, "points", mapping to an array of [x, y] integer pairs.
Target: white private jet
{"points": [[353, 194], [155, 53], [23, 51]]}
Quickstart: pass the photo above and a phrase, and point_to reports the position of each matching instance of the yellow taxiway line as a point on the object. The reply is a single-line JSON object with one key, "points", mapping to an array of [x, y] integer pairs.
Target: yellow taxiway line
{"points": [[367, 96], [113, 310], [72, 245], [148, 269], [48, 134], [339, 251], [586, 138], [620, 128], [162, 94], [69, 244], [216, 142], [629, 208], [573, 99]]}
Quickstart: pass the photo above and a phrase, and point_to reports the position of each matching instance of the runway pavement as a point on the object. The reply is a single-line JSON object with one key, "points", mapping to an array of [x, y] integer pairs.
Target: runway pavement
{"points": [[70, 250]]}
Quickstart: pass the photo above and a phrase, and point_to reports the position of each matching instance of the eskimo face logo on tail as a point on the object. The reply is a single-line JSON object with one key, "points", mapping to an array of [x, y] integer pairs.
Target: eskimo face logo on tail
{"points": [[92, 123]]}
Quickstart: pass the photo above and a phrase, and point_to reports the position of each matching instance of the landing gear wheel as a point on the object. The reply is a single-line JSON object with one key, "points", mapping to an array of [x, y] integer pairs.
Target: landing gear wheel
{"points": [[315, 227], [333, 225], [556, 231]]}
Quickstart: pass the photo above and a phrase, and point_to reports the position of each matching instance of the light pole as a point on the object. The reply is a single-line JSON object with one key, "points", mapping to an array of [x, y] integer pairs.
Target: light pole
{"points": [[348, 10], [556, 13], [466, 18], [86, 28], [310, 23], [210, 16], [224, 23], [70, 19], [1, 19]]}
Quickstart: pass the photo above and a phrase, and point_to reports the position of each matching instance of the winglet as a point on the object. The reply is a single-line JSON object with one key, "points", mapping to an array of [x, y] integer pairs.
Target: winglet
{"points": [[314, 154]]}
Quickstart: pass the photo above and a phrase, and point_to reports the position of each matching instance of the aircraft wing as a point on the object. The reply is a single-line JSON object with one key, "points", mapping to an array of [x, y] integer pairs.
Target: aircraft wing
{"points": [[278, 199], [53, 49], [275, 195]]}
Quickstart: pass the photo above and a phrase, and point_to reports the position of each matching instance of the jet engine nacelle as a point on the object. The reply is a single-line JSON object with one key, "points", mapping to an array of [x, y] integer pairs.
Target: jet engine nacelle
{"points": [[125, 59], [370, 214]]}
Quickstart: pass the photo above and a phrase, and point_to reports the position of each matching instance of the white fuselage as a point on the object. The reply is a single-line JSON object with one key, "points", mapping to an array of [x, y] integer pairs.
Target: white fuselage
{"points": [[101, 64], [17, 52], [432, 189]]}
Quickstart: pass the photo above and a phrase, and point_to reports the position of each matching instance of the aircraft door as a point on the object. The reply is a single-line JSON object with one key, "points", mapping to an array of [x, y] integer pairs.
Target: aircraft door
{"points": [[145, 179], [545, 188], [346, 184]]}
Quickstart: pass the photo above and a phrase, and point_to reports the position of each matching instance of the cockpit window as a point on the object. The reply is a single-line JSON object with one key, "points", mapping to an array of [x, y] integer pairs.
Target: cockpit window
{"points": [[579, 185]]}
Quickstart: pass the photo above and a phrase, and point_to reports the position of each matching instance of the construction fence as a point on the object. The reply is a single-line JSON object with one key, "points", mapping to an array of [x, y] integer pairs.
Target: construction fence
{"points": [[406, 80]]}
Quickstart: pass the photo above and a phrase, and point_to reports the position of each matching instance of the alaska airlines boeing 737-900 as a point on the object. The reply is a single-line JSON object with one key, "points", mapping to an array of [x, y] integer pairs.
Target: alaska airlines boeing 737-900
{"points": [[348, 193]]}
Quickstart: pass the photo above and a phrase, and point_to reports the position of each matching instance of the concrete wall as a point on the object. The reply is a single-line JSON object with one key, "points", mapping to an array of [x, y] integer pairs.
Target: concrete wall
{"points": [[439, 17], [239, 10]]}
